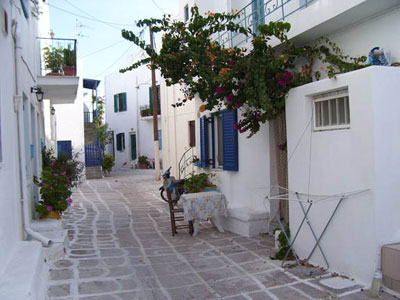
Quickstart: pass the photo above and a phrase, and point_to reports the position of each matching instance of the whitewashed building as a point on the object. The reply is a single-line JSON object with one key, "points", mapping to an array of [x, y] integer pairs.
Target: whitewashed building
{"points": [[22, 136], [361, 156], [128, 98]]}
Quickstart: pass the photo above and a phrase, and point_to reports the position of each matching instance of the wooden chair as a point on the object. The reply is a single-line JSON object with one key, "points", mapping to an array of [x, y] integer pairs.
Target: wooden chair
{"points": [[177, 216]]}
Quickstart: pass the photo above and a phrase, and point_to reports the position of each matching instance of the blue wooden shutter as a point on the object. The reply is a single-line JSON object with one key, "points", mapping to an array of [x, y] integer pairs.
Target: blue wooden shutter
{"points": [[123, 141], [64, 147], [124, 107], [230, 140], [115, 103], [203, 142], [151, 97]]}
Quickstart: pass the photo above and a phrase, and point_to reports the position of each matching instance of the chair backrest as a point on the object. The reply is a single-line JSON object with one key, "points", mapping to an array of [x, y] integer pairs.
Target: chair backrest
{"points": [[169, 197]]}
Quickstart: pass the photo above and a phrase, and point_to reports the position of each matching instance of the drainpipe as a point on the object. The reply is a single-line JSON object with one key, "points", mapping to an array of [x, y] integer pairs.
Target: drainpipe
{"points": [[137, 118], [24, 207]]}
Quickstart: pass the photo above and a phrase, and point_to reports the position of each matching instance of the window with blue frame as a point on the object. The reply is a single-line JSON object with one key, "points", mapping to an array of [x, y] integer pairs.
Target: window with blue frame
{"points": [[120, 102], [219, 141], [64, 147]]}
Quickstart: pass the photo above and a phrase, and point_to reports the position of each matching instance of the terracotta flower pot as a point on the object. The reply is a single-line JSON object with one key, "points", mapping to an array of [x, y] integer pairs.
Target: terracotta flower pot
{"points": [[69, 70], [52, 215]]}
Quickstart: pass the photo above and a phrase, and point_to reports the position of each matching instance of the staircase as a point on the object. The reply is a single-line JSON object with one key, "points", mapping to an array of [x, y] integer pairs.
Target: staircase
{"points": [[92, 171]]}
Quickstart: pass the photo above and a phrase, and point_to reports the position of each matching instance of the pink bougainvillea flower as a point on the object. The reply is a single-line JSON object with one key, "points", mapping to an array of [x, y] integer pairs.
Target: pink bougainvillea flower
{"points": [[55, 174], [125, 163], [229, 98], [240, 130], [63, 173], [257, 116], [219, 90], [235, 126], [49, 208], [285, 79], [238, 104], [69, 201]]}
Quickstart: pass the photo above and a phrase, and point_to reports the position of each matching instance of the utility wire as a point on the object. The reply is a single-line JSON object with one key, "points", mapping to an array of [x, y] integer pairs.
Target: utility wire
{"points": [[115, 61], [107, 47], [86, 13], [89, 18], [156, 4]]}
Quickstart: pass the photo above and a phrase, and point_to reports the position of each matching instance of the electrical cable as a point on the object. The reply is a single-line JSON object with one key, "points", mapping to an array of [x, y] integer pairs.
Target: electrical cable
{"points": [[156, 4], [91, 19], [107, 47], [115, 61]]}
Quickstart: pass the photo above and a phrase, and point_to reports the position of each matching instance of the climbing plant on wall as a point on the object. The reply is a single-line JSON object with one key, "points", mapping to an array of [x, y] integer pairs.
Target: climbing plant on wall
{"points": [[255, 80]]}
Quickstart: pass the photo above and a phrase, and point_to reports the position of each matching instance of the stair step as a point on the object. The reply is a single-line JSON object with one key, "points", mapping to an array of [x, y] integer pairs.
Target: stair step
{"points": [[25, 275]]}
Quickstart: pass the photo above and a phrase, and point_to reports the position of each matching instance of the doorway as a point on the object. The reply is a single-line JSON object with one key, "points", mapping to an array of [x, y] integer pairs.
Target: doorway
{"points": [[133, 146]]}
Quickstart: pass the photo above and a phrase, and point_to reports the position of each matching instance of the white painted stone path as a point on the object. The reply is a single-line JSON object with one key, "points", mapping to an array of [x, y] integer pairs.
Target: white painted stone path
{"points": [[122, 249]]}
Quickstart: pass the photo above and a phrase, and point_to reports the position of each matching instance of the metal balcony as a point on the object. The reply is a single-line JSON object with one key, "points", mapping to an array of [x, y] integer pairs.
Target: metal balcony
{"points": [[58, 70]]}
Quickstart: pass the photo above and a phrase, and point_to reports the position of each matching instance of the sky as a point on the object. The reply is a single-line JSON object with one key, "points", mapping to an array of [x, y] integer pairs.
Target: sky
{"points": [[100, 46]]}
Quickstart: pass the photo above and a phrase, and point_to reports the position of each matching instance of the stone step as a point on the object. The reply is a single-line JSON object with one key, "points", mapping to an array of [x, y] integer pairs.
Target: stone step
{"points": [[25, 274], [94, 172], [53, 230]]}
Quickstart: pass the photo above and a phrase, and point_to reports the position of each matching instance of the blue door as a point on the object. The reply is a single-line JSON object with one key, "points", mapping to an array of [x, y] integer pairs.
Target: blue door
{"points": [[64, 147]]}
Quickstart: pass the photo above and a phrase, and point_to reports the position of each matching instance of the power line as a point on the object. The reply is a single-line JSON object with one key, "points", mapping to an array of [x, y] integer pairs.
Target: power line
{"points": [[107, 47], [156, 4], [89, 18], [115, 61]]}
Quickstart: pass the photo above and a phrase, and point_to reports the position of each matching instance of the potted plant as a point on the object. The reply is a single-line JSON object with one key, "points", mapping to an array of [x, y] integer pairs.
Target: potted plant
{"points": [[146, 112], [199, 183], [54, 60], [107, 163], [69, 61], [57, 179], [143, 162]]}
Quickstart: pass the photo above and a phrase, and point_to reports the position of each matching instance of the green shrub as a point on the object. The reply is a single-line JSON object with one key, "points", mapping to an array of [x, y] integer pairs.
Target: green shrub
{"points": [[196, 182], [59, 176], [108, 163], [143, 160]]}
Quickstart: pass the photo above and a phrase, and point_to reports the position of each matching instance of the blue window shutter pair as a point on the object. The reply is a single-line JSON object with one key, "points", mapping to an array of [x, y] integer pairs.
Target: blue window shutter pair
{"points": [[116, 103], [230, 140], [203, 142]]}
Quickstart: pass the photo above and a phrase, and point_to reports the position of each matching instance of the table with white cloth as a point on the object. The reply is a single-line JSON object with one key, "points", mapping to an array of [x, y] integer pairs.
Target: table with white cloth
{"points": [[203, 206]]}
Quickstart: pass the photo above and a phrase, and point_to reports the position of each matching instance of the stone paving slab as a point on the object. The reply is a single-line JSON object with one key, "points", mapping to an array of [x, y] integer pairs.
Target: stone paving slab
{"points": [[122, 249]]}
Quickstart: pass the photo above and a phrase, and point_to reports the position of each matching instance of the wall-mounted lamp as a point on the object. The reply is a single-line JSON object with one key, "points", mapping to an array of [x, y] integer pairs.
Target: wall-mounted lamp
{"points": [[52, 111], [39, 93]]}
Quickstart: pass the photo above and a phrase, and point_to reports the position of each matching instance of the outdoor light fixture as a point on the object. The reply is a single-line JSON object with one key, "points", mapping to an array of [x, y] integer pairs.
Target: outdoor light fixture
{"points": [[52, 111], [39, 93]]}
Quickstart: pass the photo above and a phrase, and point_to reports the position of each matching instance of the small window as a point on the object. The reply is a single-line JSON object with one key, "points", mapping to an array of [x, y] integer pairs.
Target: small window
{"points": [[120, 102], [332, 110], [192, 134], [4, 21], [186, 12], [120, 142]]}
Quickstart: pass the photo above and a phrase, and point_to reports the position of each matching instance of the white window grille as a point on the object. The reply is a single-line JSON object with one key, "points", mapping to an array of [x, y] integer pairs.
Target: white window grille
{"points": [[332, 110]]}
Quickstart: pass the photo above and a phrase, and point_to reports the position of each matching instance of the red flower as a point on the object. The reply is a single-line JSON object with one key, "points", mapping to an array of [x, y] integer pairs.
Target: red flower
{"points": [[219, 90], [229, 98], [285, 79]]}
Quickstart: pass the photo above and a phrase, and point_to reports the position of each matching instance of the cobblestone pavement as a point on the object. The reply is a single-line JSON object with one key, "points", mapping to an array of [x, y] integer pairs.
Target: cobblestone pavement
{"points": [[122, 248]]}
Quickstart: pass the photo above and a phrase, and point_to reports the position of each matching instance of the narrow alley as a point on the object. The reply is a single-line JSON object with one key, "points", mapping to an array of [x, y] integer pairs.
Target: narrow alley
{"points": [[121, 248]]}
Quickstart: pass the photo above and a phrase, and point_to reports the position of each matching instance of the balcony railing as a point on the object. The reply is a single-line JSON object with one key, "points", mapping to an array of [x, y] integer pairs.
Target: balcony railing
{"points": [[147, 111], [57, 57], [253, 15]]}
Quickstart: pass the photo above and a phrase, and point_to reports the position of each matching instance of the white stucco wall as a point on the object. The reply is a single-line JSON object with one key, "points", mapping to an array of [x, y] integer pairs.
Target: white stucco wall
{"points": [[130, 120], [10, 178], [362, 157]]}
